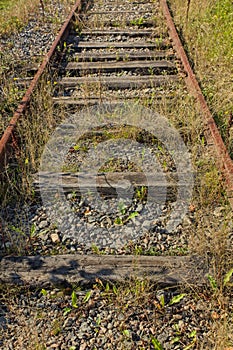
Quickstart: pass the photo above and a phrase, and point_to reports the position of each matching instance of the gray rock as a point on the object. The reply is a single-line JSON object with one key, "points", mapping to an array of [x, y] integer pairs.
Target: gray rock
{"points": [[43, 224], [3, 322]]}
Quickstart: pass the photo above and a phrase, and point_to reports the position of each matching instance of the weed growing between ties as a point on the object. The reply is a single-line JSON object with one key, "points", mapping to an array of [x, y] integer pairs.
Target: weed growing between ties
{"points": [[140, 314], [210, 235]]}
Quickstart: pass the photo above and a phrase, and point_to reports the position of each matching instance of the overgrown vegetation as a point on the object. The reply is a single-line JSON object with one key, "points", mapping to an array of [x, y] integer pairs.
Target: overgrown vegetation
{"points": [[32, 133], [124, 304], [15, 75], [14, 14], [208, 38]]}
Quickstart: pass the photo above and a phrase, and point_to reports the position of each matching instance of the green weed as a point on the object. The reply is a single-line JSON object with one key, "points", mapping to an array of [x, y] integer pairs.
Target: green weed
{"points": [[138, 22]]}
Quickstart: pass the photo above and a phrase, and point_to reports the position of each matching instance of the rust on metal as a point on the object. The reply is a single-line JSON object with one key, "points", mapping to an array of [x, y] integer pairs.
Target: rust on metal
{"points": [[212, 133], [213, 136], [7, 136]]}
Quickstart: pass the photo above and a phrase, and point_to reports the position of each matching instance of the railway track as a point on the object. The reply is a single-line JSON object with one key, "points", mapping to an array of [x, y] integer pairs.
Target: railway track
{"points": [[113, 203], [125, 59]]}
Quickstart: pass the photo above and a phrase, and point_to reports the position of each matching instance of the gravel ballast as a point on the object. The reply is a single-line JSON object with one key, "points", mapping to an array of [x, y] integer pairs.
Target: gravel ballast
{"points": [[133, 315]]}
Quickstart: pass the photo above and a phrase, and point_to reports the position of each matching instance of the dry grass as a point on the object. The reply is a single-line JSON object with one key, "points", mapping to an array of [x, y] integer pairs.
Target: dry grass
{"points": [[208, 39], [15, 14], [209, 237], [135, 301], [33, 131], [39, 117]]}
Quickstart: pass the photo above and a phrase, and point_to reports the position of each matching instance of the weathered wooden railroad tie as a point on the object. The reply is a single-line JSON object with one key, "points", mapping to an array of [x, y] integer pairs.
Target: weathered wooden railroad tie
{"points": [[107, 58], [58, 270], [102, 60]]}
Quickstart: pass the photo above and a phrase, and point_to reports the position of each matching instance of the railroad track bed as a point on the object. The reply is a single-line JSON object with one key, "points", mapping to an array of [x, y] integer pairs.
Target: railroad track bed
{"points": [[131, 58], [84, 81], [120, 69], [100, 215]]}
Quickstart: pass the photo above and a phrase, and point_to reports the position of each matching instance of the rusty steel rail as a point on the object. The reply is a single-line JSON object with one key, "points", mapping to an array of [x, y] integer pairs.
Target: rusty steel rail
{"points": [[8, 133], [212, 133]]}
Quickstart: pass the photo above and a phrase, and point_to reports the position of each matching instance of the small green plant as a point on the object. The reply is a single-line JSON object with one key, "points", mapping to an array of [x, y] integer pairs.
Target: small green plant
{"points": [[141, 193], [126, 333], [159, 41], [156, 344], [74, 305], [107, 287], [114, 289], [95, 249], [138, 22], [175, 340], [177, 329], [98, 321], [123, 220], [176, 299], [162, 300], [131, 216], [227, 277], [122, 208], [138, 250], [193, 336], [118, 221], [44, 292], [212, 282], [67, 310], [74, 300], [17, 230], [222, 284], [87, 296], [151, 71], [33, 231]]}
